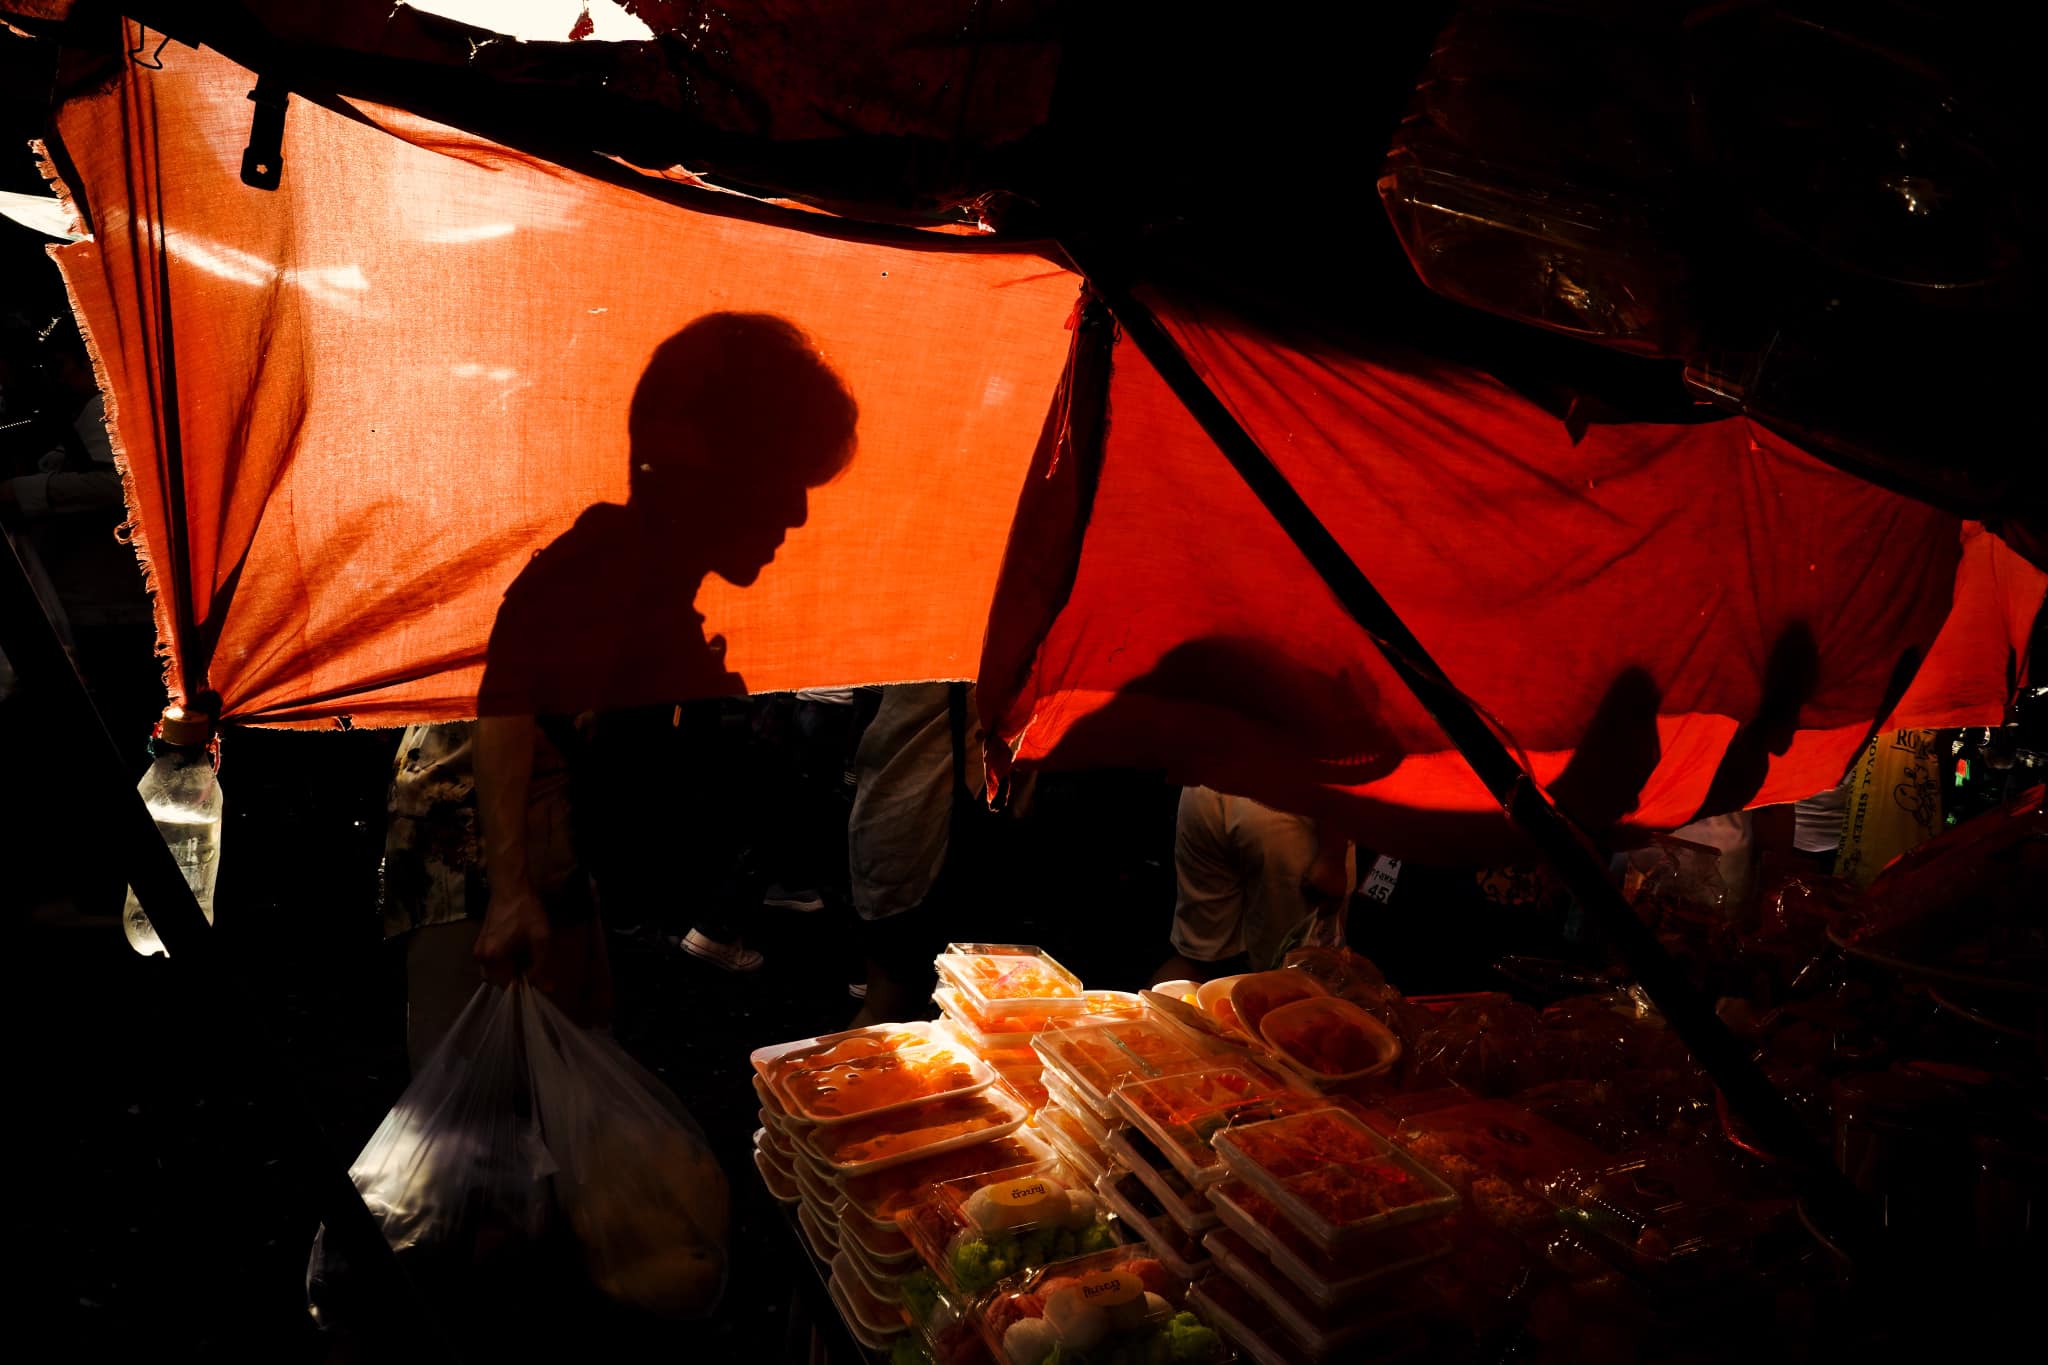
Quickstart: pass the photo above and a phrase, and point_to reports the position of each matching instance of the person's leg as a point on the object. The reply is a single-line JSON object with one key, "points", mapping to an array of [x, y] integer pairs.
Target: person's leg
{"points": [[440, 977], [900, 978]]}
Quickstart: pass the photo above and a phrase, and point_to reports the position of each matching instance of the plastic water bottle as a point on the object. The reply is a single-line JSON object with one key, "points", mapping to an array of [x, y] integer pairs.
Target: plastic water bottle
{"points": [[183, 794]]}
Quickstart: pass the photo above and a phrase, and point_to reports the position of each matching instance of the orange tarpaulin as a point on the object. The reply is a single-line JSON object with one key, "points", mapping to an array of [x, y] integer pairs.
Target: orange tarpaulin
{"points": [[1667, 620], [408, 370], [428, 371]]}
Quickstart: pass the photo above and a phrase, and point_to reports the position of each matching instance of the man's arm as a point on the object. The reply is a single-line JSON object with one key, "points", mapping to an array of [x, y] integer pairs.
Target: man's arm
{"points": [[515, 935]]}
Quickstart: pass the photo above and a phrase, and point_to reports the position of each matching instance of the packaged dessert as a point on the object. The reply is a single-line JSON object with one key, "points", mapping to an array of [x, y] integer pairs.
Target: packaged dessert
{"points": [[880, 1195], [998, 981], [773, 1115], [884, 1272], [774, 1138], [1187, 1206], [1075, 1144], [1496, 1153], [1331, 1041], [984, 1036], [899, 1135], [1338, 1181], [1095, 1060], [1255, 996], [1326, 1279], [1027, 1086], [1194, 1024], [950, 1330], [1126, 1196], [1109, 1307], [867, 1086], [878, 1040], [1320, 1332], [817, 1187], [977, 1232], [1182, 1115]]}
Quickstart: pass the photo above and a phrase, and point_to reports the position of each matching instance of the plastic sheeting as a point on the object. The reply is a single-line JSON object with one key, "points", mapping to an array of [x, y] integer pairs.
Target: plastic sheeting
{"points": [[354, 409], [1668, 620]]}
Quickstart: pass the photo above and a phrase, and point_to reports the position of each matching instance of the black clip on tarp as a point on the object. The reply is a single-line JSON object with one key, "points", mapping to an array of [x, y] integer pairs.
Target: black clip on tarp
{"points": [[1830, 1200], [263, 158], [218, 987]]}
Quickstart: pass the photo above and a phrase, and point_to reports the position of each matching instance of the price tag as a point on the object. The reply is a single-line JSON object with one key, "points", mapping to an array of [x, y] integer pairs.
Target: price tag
{"points": [[1109, 1287]]}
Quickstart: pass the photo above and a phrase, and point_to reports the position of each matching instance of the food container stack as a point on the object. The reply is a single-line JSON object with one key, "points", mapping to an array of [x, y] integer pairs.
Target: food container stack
{"points": [[855, 1127], [1324, 1229], [998, 997]]}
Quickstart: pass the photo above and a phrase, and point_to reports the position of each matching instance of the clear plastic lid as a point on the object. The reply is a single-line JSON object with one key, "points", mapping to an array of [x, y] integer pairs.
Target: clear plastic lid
{"points": [[873, 1085], [773, 1115], [1316, 1331], [880, 1195], [1195, 1025], [1254, 996], [1334, 1177], [997, 1036], [1325, 1279], [1187, 1206], [1027, 1087], [1182, 1115], [818, 1191], [901, 1135], [885, 1249], [999, 981], [803, 1054], [977, 1232], [1126, 1196], [1331, 1041], [1095, 1060], [1059, 1092], [1111, 1306], [1666, 1219]]}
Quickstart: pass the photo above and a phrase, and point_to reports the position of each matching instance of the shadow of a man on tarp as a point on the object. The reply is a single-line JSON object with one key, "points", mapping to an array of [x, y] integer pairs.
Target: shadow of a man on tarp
{"points": [[735, 420]]}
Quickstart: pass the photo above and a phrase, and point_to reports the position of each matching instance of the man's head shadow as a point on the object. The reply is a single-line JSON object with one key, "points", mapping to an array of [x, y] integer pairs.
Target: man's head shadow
{"points": [[736, 418]]}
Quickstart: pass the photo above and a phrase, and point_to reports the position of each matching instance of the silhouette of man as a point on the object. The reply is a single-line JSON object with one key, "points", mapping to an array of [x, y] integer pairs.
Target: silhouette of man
{"points": [[735, 420]]}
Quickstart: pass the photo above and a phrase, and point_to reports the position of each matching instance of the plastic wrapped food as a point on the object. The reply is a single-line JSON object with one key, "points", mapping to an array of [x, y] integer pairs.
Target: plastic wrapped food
{"points": [[781, 1182], [1141, 1211], [782, 1059], [1329, 1280], [881, 1195], [879, 1316], [885, 1251], [999, 981], [1027, 1087], [1075, 1144], [878, 1084], [1336, 1178], [1248, 1324], [974, 1234], [843, 1296], [1332, 1041], [1255, 996], [1059, 1092], [819, 1234], [1488, 1044], [1109, 1307], [1097, 1059], [1182, 1114], [1669, 1220], [901, 1135], [1494, 1152]]}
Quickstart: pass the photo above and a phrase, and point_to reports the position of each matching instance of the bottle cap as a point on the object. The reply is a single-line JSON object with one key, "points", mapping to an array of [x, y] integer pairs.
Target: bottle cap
{"points": [[184, 728]]}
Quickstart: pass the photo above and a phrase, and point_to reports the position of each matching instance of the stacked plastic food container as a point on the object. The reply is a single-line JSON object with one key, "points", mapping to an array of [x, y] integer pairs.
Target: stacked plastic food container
{"points": [[855, 1127], [998, 997]]}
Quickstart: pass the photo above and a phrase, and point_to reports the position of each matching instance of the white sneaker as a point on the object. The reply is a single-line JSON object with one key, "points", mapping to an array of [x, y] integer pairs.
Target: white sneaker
{"points": [[800, 898], [733, 957]]}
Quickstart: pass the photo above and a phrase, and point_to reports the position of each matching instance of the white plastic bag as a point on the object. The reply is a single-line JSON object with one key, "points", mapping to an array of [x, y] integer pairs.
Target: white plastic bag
{"points": [[531, 1156]]}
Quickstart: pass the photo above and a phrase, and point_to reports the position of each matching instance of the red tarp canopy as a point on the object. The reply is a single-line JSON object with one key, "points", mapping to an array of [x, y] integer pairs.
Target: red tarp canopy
{"points": [[356, 408]]}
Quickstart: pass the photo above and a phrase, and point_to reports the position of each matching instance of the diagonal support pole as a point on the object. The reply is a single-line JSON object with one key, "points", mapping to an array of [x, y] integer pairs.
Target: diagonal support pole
{"points": [[1829, 1197]]}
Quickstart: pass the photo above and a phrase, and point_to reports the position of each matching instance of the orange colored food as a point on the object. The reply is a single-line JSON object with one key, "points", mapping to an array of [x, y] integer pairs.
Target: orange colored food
{"points": [[1183, 1099], [1018, 978], [870, 1083], [1107, 1055], [845, 1050], [1071, 1129], [1333, 1038], [907, 1130], [1263, 992], [886, 1193]]}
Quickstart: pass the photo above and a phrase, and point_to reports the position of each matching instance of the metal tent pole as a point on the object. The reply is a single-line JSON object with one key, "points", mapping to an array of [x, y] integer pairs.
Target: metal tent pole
{"points": [[217, 985], [1829, 1196]]}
